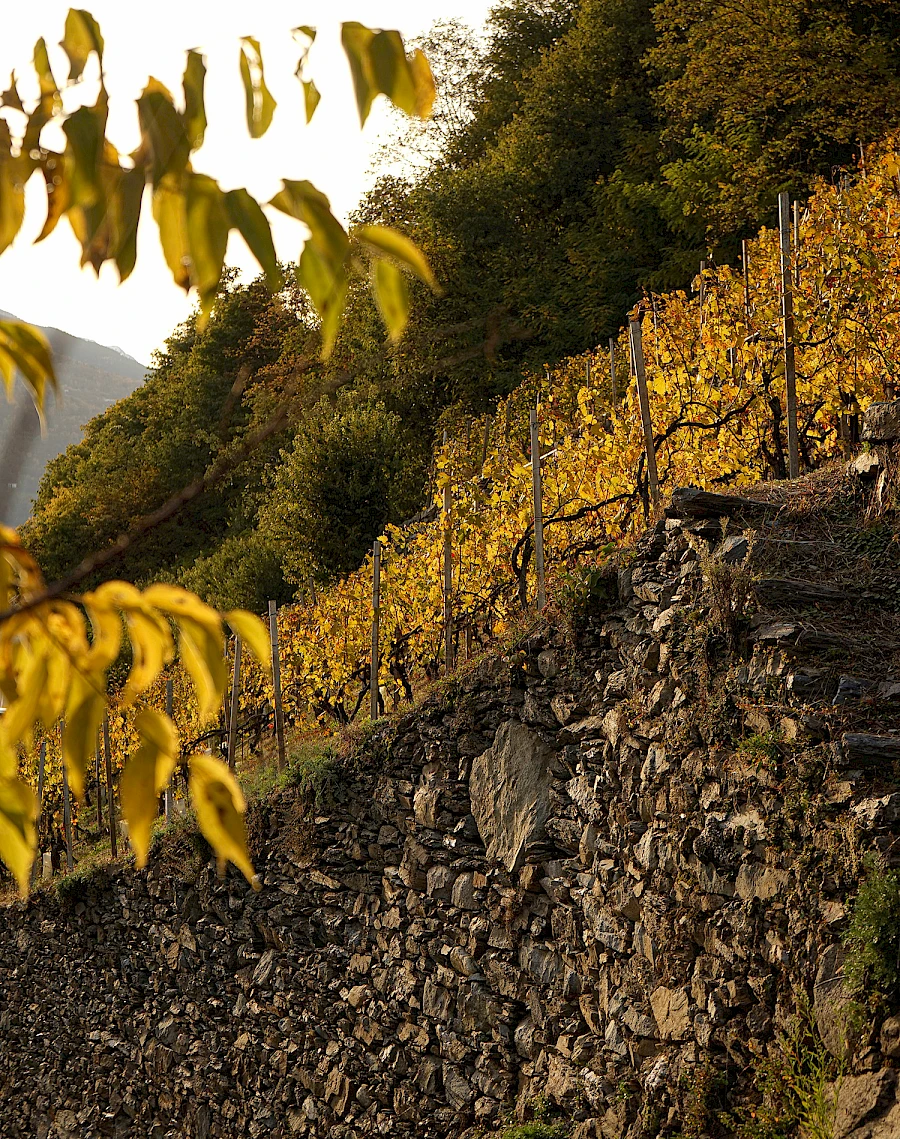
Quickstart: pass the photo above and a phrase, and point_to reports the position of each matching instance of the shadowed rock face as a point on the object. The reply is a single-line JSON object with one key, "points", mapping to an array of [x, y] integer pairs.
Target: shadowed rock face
{"points": [[91, 378], [551, 883]]}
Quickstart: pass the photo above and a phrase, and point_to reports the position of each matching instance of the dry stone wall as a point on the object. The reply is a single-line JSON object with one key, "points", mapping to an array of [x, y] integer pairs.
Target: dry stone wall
{"points": [[560, 881]]}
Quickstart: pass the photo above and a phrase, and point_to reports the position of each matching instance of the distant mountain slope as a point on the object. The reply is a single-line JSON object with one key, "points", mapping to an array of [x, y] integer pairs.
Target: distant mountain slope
{"points": [[91, 377]]}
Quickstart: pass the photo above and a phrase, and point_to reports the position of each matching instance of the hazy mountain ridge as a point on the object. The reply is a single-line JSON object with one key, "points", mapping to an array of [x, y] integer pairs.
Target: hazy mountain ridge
{"points": [[91, 378]]}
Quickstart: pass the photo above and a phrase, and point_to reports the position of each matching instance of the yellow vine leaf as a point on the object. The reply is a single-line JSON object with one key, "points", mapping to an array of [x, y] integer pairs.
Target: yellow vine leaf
{"points": [[220, 806], [85, 709], [145, 775], [18, 833], [253, 633]]}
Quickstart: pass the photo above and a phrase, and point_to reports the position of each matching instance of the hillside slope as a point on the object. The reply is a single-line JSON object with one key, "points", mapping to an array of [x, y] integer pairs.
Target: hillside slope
{"points": [[91, 377], [594, 879]]}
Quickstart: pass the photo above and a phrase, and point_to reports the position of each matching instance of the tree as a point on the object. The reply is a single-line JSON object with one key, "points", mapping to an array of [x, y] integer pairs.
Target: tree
{"points": [[57, 647], [762, 95], [341, 483]]}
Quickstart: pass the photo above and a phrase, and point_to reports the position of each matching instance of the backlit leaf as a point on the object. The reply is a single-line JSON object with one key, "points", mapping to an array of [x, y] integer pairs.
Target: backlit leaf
{"points": [[82, 36], [253, 633], [10, 97], [58, 193], [164, 133], [395, 244], [247, 217], [203, 655], [85, 709], [44, 72], [260, 104], [18, 833], [391, 296], [127, 203], [327, 290], [220, 807], [379, 66], [12, 190], [145, 774], [207, 231], [170, 213], [85, 132], [194, 105], [303, 201], [25, 347], [311, 98]]}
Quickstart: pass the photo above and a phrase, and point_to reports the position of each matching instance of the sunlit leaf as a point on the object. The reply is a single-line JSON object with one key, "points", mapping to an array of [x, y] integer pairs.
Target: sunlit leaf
{"points": [[379, 65], [165, 136], [394, 75], [391, 296], [220, 806], [356, 39], [260, 104], [170, 214], [10, 97], [85, 131], [12, 190], [303, 201], [203, 655], [126, 217], [18, 833], [253, 633], [82, 36], [385, 240], [327, 290], [58, 193], [247, 217], [311, 98], [85, 709], [194, 105], [25, 347], [44, 72], [145, 775], [208, 224]]}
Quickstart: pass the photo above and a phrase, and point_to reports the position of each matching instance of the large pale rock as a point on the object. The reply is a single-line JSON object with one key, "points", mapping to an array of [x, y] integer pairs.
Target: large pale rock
{"points": [[833, 1004], [509, 789], [861, 1101], [671, 1010], [881, 422]]}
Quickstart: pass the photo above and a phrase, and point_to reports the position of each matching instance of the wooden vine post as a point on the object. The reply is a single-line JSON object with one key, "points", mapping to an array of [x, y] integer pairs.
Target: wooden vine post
{"points": [[446, 518], [745, 265], [235, 702], [787, 316], [484, 443], [110, 799], [702, 290], [637, 355], [796, 245], [167, 794], [612, 372], [376, 630], [67, 808], [99, 783], [276, 683], [42, 763], [538, 496]]}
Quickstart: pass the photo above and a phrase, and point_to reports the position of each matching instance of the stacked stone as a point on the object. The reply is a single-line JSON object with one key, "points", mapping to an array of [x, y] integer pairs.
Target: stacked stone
{"points": [[562, 880]]}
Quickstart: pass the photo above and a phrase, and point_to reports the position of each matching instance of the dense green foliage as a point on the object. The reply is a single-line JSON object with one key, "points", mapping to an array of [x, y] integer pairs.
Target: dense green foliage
{"points": [[873, 937], [590, 149]]}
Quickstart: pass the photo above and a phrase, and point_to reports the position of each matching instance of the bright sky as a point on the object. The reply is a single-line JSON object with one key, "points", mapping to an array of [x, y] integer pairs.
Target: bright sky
{"points": [[43, 283]]}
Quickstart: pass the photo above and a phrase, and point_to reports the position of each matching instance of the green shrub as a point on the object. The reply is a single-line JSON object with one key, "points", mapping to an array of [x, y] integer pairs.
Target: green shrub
{"points": [[760, 749], [873, 937], [795, 1086], [536, 1131]]}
